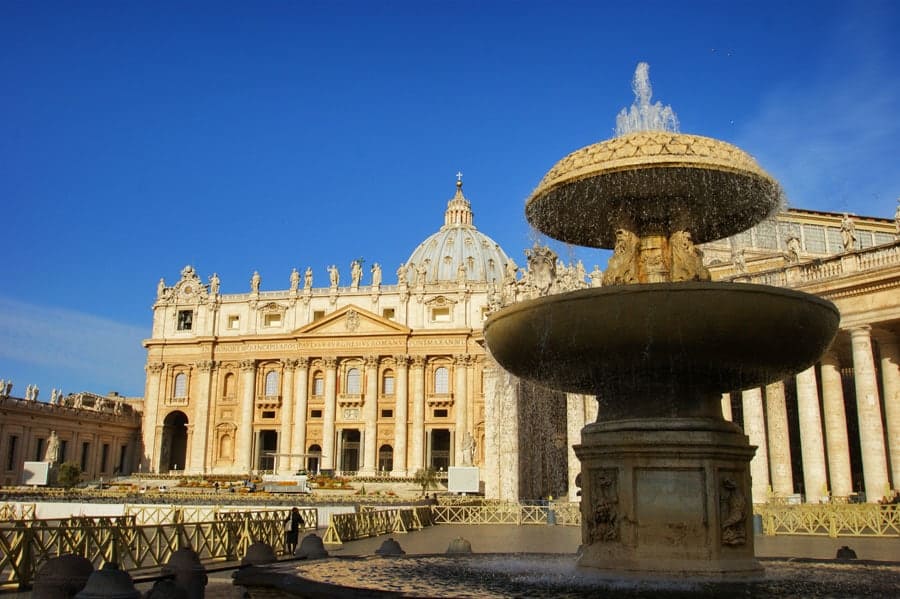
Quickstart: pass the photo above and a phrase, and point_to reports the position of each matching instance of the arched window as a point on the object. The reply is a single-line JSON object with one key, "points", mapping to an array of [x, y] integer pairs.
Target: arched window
{"points": [[387, 383], [312, 460], [385, 458], [441, 380], [180, 385], [353, 382], [229, 384], [318, 389], [271, 383]]}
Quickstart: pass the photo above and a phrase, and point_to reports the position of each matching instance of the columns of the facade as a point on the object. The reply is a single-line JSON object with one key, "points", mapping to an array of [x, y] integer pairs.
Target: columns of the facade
{"points": [[837, 444], [726, 407], [779, 441], [328, 457], [574, 424], [301, 398], [755, 429], [868, 408], [417, 453], [890, 383], [202, 408], [150, 458], [400, 415], [812, 446], [461, 408], [370, 418], [284, 461], [244, 444]]}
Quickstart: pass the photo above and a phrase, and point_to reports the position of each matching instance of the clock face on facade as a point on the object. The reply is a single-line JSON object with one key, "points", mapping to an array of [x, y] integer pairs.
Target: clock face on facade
{"points": [[187, 290]]}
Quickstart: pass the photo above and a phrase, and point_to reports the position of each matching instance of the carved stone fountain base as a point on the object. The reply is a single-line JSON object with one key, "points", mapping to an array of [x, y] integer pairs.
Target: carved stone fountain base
{"points": [[667, 498]]}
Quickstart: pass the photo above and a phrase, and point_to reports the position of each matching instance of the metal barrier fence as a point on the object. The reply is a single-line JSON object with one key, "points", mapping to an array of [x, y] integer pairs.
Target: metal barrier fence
{"points": [[371, 523], [566, 514], [833, 520], [26, 544]]}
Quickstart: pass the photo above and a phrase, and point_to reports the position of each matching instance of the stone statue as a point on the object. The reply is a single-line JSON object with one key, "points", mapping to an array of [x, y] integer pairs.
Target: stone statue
{"points": [[468, 449], [604, 522], [9, 388], [733, 507], [54, 398], [848, 233], [793, 249], [2, 387], [622, 266], [421, 271], [214, 284], [596, 277], [355, 273], [307, 278], [897, 220], [334, 275], [160, 288], [295, 280], [376, 275], [687, 259], [52, 453], [461, 274], [542, 266], [254, 282], [740, 261], [580, 273]]}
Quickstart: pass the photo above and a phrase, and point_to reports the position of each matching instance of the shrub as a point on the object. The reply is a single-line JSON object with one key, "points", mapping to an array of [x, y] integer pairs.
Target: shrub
{"points": [[69, 474]]}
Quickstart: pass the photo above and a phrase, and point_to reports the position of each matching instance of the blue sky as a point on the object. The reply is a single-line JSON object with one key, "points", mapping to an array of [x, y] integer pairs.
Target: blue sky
{"points": [[137, 137]]}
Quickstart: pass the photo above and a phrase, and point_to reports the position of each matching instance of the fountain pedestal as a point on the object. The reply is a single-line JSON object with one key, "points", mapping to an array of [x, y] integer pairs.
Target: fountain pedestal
{"points": [[667, 495]]}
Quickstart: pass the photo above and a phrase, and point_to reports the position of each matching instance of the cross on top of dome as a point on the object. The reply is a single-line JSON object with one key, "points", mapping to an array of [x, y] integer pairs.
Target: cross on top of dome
{"points": [[459, 211]]}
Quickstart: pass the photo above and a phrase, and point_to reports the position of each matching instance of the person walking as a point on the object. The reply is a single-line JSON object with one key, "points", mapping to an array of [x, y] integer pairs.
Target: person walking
{"points": [[292, 525]]}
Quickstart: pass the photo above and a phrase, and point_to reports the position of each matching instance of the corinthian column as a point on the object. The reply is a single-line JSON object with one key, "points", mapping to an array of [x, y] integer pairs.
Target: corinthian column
{"points": [[400, 415], [417, 455], [890, 383], [244, 445], [330, 407], [298, 434], [287, 419], [150, 459], [201, 418], [461, 408], [812, 449], [370, 417], [868, 408], [837, 444], [755, 429], [779, 441]]}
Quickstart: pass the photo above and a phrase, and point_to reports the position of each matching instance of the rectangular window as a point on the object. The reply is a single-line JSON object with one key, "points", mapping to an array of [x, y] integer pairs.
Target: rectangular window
{"points": [[440, 413], [11, 452], [882, 238], [835, 244], [123, 451], [318, 314], [814, 235], [387, 413], [272, 320], [39, 451], [268, 414], [234, 322], [865, 239], [185, 320], [440, 314], [388, 313], [766, 235], [85, 450], [315, 413], [104, 457], [388, 385], [318, 387]]}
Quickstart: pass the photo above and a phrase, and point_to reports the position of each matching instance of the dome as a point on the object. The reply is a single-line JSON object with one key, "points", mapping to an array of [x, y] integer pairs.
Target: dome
{"points": [[457, 243]]}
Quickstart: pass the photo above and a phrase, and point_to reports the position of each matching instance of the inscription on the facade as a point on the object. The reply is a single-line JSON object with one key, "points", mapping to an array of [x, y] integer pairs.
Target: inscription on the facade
{"points": [[258, 347]]}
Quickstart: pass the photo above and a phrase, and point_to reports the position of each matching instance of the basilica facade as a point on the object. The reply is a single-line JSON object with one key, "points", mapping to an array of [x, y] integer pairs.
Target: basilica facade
{"points": [[364, 378]]}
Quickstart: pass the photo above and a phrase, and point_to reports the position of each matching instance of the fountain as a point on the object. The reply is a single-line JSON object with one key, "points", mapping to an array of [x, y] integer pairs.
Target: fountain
{"points": [[665, 479]]}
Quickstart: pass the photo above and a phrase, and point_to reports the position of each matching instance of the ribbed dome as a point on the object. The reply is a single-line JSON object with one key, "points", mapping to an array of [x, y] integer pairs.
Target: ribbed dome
{"points": [[457, 242]]}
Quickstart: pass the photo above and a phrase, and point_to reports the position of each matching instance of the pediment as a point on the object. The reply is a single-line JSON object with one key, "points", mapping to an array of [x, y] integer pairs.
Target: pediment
{"points": [[352, 320]]}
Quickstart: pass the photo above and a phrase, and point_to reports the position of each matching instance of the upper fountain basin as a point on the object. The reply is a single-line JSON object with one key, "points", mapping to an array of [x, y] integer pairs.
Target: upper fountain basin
{"points": [[678, 340], [652, 182]]}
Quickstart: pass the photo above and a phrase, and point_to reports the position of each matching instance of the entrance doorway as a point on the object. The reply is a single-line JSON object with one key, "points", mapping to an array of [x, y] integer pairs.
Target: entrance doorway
{"points": [[439, 443], [173, 444], [268, 447], [350, 442]]}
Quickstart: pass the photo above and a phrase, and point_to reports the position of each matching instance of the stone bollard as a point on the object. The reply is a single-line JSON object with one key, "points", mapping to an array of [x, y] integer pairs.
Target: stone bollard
{"points": [[311, 547], [845, 553], [109, 582], [390, 548], [259, 553], [459, 545], [185, 569], [61, 577]]}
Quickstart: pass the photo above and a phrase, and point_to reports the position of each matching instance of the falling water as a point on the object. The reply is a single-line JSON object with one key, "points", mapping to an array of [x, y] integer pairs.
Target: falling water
{"points": [[644, 116]]}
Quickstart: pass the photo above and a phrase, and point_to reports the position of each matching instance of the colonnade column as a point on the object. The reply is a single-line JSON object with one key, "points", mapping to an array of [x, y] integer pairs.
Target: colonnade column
{"points": [[370, 417], [400, 415], [201, 417], [301, 397], [417, 455], [837, 444], [328, 420], [868, 409], [461, 408], [779, 440], [812, 447], [726, 407], [285, 439], [244, 443], [890, 383], [150, 457], [755, 429]]}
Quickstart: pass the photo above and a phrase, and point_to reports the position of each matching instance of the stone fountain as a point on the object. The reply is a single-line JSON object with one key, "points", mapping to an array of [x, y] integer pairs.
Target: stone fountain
{"points": [[665, 478]]}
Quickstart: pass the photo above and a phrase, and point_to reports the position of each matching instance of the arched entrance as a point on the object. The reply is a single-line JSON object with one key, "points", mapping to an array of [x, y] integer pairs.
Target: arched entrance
{"points": [[173, 445]]}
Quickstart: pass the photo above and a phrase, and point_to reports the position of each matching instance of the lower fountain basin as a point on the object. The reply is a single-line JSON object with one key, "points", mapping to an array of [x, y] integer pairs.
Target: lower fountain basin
{"points": [[664, 343]]}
